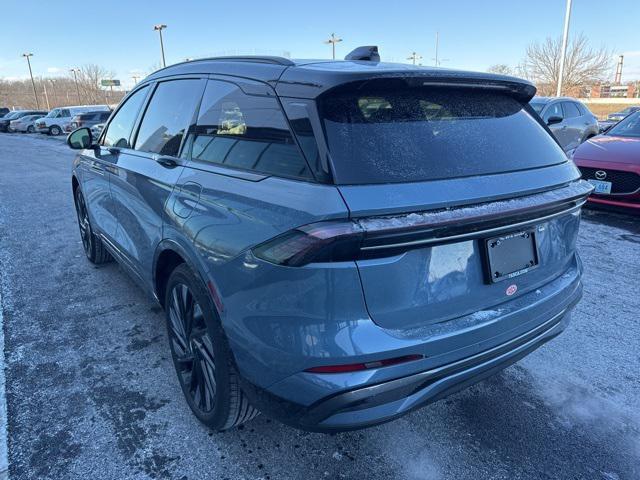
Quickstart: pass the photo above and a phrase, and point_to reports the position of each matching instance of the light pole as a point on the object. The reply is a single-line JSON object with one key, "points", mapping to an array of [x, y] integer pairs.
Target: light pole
{"points": [[33, 84], [135, 79], [75, 72], [159, 28], [563, 52], [414, 57], [333, 40]]}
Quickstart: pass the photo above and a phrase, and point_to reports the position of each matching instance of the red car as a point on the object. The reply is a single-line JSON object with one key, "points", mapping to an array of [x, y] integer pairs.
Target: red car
{"points": [[611, 162]]}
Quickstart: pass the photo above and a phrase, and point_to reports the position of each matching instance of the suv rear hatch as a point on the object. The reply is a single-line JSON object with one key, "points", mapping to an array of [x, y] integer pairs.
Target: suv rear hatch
{"points": [[464, 199]]}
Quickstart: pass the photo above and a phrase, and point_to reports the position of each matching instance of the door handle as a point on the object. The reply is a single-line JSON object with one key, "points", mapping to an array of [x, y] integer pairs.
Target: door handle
{"points": [[167, 162]]}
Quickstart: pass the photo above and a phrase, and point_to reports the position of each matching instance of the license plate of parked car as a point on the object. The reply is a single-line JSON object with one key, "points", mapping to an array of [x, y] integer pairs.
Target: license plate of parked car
{"points": [[600, 186], [511, 255]]}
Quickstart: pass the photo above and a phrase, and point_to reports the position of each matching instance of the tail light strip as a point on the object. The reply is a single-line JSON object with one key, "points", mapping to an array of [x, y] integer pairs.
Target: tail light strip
{"points": [[375, 237]]}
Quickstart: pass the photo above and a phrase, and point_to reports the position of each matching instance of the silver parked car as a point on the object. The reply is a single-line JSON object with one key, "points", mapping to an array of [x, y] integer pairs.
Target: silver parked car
{"points": [[25, 124], [570, 120]]}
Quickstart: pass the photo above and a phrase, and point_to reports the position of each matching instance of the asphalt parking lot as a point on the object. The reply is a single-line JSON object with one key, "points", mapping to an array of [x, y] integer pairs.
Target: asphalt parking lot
{"points": [[91, 392]]}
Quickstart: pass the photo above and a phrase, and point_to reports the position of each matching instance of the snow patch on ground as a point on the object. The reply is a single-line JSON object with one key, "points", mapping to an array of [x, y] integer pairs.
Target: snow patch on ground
{"points": [[4, 462]]}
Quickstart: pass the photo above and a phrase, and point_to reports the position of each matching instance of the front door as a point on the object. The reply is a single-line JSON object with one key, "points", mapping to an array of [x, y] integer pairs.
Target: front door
{"points": [[559, 130]]}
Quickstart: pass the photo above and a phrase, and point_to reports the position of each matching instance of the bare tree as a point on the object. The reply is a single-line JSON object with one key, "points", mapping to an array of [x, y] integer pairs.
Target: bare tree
{"points": [[89, 78], [584, 64], [59, 91], [501, 68]]}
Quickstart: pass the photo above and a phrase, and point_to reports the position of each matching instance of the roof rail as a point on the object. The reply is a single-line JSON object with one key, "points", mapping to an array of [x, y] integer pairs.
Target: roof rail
{"points": [[253, 58]]}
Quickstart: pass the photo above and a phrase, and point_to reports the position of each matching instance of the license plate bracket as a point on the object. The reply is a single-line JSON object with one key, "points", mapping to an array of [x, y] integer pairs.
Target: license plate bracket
{"points": [[601, 186], [510, 255]]}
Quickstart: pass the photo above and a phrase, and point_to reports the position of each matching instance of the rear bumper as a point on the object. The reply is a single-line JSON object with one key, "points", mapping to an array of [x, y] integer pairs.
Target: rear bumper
{"points": [[378, 402], [630, 202]]}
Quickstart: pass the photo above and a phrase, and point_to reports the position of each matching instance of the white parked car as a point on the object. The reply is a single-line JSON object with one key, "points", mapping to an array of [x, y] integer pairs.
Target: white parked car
{"points": [[58, 118], [25, 124]]}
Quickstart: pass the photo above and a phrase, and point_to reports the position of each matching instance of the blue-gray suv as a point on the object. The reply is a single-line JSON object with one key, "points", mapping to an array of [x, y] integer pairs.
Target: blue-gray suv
{"points": [[334, 243]]}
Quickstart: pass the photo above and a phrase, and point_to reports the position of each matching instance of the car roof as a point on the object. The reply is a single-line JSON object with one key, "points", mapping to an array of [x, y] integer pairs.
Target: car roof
{"points": [[308, 78], [540, 99]]}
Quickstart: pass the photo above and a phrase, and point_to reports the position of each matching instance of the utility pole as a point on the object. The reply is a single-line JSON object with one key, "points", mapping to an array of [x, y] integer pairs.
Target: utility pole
{"points": [[135, 79], [333, 40], [33, 84], [563, 52], [437, 45], [75, 72], [159, 28], [46, 96], [618, 77], [413, 57]]}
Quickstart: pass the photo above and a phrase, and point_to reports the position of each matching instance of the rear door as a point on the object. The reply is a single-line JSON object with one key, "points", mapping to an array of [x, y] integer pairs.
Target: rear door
{"points": [[144, 177], [575, 124], [413, 164]]}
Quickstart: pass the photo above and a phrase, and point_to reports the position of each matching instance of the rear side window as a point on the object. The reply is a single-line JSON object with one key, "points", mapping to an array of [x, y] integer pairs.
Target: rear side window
{"points": [[246, 132], [120, 127], [417, 134], [583, 110], [570, 110], [168, 116]]}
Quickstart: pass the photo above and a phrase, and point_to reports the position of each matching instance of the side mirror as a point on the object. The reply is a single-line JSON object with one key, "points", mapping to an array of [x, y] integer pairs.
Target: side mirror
{"points": [[554, 119], [80, 139]]}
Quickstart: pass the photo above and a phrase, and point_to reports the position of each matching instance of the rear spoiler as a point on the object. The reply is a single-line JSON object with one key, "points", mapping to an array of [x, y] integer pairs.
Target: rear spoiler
{"points": [[310, 82]]}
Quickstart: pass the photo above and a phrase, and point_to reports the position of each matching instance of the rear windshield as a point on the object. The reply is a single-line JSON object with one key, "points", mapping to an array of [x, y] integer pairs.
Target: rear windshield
{"points": [[417, 134]]}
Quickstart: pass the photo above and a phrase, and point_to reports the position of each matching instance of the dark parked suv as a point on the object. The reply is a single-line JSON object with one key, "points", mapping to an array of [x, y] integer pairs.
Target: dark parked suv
{"points": [[88, 119], [335, 243]]}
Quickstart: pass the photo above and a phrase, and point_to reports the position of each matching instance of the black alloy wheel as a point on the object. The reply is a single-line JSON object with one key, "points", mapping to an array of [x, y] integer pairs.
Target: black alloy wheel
{"points": [[192, 348], [201, 355], [92, 245]]}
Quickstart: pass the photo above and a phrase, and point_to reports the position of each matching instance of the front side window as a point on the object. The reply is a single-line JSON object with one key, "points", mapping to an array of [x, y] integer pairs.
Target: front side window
{"points": [[554, 110], [119, 129], [168, 116], [247, 132], [409, 134]]}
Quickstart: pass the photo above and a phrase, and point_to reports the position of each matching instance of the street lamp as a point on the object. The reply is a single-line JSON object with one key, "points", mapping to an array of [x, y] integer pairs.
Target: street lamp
{"points": [[135, 79], [414, 57], [563, 52], [75, 72], [33, 84], [159, 28], [333, 40]]}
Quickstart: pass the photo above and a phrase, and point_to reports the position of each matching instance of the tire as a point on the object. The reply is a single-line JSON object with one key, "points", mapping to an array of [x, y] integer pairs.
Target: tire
{"points": [[55, 130], [201, 354], [91, 243], [30, 129]]}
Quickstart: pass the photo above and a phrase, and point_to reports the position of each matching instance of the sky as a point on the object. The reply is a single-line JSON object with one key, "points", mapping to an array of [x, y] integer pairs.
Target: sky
{"points": [[474, 34]]}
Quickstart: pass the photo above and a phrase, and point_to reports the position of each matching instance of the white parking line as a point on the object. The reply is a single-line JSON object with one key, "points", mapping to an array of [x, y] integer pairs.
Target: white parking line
{"points": [[4, 419]]}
